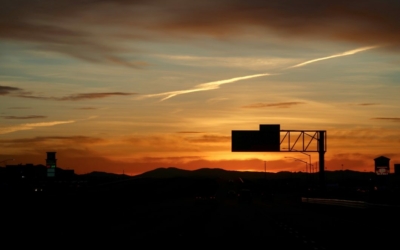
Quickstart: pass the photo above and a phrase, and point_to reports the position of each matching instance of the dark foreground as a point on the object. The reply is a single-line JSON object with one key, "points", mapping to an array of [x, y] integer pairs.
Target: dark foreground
{"points": [[284, 223]]}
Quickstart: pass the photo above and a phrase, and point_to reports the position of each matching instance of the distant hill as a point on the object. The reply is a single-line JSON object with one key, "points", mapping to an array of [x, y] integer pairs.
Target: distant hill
{"points": [[170, 172], [173, 172]]}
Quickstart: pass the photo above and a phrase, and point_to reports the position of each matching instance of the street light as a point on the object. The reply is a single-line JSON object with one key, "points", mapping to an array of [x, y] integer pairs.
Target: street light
{"points": [[309, 156], [296, 159]]}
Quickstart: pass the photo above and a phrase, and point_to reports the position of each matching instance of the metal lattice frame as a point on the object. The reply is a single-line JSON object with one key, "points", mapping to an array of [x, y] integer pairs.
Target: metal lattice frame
{"points": [[305, 137]]}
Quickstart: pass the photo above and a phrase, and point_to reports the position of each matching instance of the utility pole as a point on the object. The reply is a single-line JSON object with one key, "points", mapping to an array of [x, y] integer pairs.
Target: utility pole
{"points": [[265, 170], [265, 179]]}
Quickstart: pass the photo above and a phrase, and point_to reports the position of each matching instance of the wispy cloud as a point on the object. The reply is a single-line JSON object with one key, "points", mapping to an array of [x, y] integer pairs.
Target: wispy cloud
{"points": [[394, 119], [18, 92], [216, 84], [367, 104], [29, 126], [347, 53], [90, 29], [86, 108], [19, 108], [44, 139], [84, 96], [189, 132], [219, 99], [203, 87], [268, 105], [252, 63], [21, 93], [210, 139], [5, 90], [25, 117]]}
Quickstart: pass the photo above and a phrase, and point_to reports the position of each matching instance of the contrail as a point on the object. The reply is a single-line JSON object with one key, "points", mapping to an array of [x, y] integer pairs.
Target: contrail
{"points": [[29, 126], [174, 93], [347, 53], [216, 84], [204, 86]]}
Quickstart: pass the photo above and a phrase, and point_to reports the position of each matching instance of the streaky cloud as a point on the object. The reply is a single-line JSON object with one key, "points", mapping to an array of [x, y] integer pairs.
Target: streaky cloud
{"points": [[203, 87], [83, 96], [19, 108], [42, 139], [210, 139], [189, 132], [29, 126], [74, 97], [24, 117], [5, 90], [394, 119], [347, 53], [215, 84], [278, 105], [86, 108], [368, 104]]}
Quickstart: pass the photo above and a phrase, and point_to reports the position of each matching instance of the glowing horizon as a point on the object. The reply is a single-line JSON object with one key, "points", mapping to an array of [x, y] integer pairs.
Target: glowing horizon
{"points": [[132, 93]]}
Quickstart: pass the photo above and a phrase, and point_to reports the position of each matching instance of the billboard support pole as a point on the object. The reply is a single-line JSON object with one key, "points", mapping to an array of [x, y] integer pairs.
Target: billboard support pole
{"points": [[267, 139], [321, 154]]}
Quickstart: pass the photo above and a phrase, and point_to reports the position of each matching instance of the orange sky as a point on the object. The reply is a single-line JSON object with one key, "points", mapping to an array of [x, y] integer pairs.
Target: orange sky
{"points": [[129, 86]]}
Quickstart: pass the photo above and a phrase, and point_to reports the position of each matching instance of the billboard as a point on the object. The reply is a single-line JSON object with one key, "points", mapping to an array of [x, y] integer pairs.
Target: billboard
{"points": [[267, 139]]}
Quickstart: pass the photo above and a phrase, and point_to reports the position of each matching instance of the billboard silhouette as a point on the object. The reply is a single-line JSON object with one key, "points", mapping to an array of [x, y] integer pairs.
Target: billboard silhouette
{"points": [[267, 139]]}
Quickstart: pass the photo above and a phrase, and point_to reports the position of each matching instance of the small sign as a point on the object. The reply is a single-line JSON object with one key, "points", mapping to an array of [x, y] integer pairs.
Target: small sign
{"points": [[382, 170]]}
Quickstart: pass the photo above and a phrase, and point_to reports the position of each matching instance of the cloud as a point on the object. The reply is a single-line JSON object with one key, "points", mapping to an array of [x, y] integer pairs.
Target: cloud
{"points": [[394, 119], [216, 84], [210, 139], [278, 105], [189, 132], [78, 97], [122, 62], [203, 87], [368, 104], [73, 97], [218, 99], [86, 108], [19, 108], [251, 63], [347, 53], [45, 139], [5, 90], [94, 30], [50, 27], [29, 126], [25, 117]]}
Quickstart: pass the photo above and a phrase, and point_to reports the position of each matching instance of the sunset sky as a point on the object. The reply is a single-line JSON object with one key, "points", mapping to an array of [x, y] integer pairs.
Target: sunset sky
{"points": [[127, 86]]}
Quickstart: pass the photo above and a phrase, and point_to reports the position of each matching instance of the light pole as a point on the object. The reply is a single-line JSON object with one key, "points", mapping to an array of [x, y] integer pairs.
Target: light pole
{"points": [[296, 159], [309, 157]]}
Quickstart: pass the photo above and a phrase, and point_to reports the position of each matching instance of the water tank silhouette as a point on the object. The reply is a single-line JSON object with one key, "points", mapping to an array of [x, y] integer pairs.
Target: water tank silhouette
{"points": [[382, 165]]}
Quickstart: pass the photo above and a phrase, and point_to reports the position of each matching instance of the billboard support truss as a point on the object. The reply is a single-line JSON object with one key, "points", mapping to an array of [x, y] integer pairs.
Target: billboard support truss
{"points": [[268, 139], [305, 138]]}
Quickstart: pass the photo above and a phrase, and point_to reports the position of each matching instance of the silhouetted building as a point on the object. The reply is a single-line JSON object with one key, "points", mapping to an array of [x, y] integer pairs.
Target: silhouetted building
{"points": [[27, 171], [397, 169], [382, 165], [51, 164]]}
